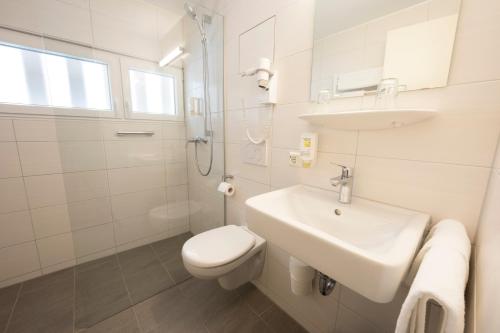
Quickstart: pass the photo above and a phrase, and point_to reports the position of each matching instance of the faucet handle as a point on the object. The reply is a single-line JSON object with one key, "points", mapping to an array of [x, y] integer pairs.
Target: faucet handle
{"points": [[346, 171]]}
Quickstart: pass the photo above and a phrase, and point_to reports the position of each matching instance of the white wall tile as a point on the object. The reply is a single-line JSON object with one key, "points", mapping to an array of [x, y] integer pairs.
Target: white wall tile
{"points": [[56, 249], [49, 17], [175, 150], [176, 174], [496, 164], [294, 28], [442, 190], [121, 154], [6, 130], [138, 227], [458, 138], [10, 166], [86, 185], [351, 322], [18, 260], [294, 77], [45, 190], [283, 175], [82, 156], [138, 203], [15, 228], [12, 195], [84, 214], [93, 240], [136, 179], [52, 220], [487, 266], [177, 193], [40, 158], [118, 35], [35, 130], [257, 42], [78, 130], [236, 204], [173, 130], [476, 47], [287, 128], [236, 167], [384, 316]]}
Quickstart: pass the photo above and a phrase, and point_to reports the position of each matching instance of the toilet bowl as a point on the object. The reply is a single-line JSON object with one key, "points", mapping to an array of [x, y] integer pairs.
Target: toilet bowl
{"points": [[231, 254]]}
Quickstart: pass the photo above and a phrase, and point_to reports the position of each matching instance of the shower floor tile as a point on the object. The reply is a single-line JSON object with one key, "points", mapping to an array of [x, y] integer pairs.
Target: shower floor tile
{"points": [[100, 292], [123, 322], [45, 304], [7, 300], [142, 290], [140, 265]]}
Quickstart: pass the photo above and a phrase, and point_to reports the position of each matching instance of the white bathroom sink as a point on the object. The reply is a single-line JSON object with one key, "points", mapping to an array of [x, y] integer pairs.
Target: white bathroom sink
{"points": [[366, 246]]}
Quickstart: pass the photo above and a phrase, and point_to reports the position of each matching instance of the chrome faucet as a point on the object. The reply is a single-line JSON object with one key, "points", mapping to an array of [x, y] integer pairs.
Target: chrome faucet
{"points": [[196, 140], [345, 183]]}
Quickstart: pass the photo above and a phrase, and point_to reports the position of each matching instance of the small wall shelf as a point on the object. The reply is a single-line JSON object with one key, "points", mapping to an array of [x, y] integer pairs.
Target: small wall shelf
{"points": [[369, 119]]}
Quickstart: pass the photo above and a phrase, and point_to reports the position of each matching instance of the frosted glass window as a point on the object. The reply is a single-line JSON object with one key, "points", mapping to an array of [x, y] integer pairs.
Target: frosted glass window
{"points": [[152, 93], [33, 77]]}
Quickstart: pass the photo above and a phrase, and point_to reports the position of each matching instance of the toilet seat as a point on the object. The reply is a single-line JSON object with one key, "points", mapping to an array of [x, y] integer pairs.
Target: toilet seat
{"points": [[217, 247]]}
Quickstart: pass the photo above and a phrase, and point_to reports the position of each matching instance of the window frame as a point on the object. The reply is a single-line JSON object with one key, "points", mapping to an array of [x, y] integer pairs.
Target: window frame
{"points": [[51, 110], [152, 68]]}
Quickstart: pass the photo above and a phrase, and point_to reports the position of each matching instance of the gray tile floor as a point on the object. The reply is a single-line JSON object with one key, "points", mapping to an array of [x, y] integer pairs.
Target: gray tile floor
{"points": [[142, 290]]}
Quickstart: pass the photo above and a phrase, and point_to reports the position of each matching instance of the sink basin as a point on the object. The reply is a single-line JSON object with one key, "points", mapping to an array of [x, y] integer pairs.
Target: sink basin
{"points": [[366, 246]]}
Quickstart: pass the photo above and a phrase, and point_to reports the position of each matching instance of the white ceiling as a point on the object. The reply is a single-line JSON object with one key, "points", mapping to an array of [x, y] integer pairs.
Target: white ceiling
{"points": [[336, 15], [174, 6]]}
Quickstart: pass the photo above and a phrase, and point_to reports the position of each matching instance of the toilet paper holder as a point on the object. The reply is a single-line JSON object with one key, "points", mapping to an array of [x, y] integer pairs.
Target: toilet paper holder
{"points": [[226, 177]]}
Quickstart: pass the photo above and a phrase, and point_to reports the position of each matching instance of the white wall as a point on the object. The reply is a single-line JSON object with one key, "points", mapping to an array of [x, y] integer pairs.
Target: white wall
{"points": [[70, 189], [487, 265], [441, 166]]}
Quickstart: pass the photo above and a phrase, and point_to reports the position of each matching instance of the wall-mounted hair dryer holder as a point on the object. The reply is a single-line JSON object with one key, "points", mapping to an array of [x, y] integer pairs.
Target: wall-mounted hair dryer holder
{"points": [[266, 80]]}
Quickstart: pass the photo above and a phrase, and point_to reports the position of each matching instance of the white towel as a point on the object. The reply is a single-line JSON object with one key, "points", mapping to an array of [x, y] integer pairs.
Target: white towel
{"points": [[442, 270], [447, 232]]}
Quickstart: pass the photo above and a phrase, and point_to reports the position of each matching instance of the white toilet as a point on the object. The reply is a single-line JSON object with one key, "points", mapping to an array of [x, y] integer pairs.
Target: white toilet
{"points": [[231, 254]]}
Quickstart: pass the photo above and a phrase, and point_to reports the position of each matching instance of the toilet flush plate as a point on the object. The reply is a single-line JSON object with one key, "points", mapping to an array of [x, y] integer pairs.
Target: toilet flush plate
{"points": [[256, 154]]}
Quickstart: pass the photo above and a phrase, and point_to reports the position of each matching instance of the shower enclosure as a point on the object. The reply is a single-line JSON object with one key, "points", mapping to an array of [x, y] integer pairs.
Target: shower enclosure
{"points": [[203, 75], [109, 162]]}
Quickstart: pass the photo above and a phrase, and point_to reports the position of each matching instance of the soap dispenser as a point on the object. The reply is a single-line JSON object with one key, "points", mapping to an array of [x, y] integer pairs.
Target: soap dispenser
{"points": [[306, 156]]}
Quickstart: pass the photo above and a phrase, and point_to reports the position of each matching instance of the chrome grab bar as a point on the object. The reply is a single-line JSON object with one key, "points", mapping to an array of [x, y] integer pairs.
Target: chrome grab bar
{"points": [[147, 133]]}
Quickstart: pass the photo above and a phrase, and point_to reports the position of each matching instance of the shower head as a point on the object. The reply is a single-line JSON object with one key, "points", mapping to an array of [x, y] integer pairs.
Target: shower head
{"points": [[200, 22], [190, 10]]}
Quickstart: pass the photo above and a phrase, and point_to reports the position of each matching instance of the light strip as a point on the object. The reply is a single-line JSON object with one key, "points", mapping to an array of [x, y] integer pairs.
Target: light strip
{"points": [[170, 57]]}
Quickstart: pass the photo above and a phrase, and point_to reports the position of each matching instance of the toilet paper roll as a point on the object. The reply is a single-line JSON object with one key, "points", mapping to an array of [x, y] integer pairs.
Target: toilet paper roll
{"points": [[300, 271], [301, 288], [226, 188]]}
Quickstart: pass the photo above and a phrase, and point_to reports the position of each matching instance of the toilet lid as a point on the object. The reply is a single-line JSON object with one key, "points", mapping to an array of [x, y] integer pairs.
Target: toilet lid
{"points": [[218, 246]]}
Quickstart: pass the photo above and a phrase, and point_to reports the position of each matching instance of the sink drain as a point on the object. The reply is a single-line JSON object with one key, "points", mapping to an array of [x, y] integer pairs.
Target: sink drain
{"points": [[338, 212]]}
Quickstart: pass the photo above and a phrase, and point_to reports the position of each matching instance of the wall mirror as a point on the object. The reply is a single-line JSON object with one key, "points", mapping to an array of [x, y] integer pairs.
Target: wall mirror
{"points": [[358, 43]]}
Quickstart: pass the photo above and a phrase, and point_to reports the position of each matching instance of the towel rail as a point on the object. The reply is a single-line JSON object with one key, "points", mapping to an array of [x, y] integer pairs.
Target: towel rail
{"points": [[146, 133]]}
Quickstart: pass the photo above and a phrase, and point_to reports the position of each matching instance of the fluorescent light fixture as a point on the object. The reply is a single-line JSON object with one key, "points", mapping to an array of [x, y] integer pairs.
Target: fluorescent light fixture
{"points": [[170, 57]]}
